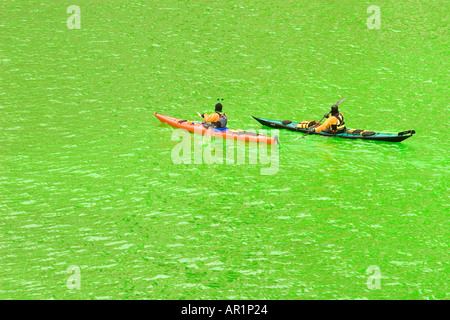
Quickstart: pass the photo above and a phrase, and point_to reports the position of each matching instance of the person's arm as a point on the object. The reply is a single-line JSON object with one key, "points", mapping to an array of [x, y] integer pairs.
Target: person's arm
{"points": [[330, 121], [213, 117]]}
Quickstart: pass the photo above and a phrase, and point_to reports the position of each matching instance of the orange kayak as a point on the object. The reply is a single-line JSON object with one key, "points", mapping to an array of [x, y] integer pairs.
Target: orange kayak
{"points": [[225, 133]]}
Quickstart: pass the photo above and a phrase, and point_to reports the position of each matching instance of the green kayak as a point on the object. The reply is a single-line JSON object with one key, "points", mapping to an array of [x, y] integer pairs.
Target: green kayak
{"points": [[348, 134]]}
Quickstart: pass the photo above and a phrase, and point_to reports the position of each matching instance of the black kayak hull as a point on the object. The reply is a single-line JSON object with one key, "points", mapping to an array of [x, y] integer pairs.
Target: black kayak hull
{"points": [[375, 136]]}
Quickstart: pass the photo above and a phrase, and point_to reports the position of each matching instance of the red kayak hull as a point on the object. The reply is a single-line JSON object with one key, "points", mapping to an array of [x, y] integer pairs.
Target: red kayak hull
{"points": [[228, 134]]}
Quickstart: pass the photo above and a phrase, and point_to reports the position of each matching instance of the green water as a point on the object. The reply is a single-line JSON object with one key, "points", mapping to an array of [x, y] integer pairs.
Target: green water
{"points": [[87, 178]]}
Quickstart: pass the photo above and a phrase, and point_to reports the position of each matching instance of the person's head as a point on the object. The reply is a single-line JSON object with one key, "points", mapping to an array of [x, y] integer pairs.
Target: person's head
{"points": [[334, 110], [218, 107]]}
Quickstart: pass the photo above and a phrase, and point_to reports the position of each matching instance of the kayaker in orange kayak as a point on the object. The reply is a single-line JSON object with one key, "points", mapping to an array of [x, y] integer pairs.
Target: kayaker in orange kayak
{"points": [[334, 123], [217, 119]]}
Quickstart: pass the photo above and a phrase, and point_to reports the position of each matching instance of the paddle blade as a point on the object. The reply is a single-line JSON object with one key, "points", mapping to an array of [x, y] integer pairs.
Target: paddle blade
{"points": [[340, 101]]}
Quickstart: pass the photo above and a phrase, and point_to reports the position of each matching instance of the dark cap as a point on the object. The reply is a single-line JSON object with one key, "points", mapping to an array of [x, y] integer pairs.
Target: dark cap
{"points": [[334, 110], [218, 107]]}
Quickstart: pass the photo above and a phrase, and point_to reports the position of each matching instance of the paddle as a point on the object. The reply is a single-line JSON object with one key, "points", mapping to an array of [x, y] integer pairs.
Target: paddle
{"points": [[325, 116], [340, 101]]}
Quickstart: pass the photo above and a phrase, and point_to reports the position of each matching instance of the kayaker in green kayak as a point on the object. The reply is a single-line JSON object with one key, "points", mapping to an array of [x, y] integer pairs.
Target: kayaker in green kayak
{"points": [[334, 123], [216, 119]]}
